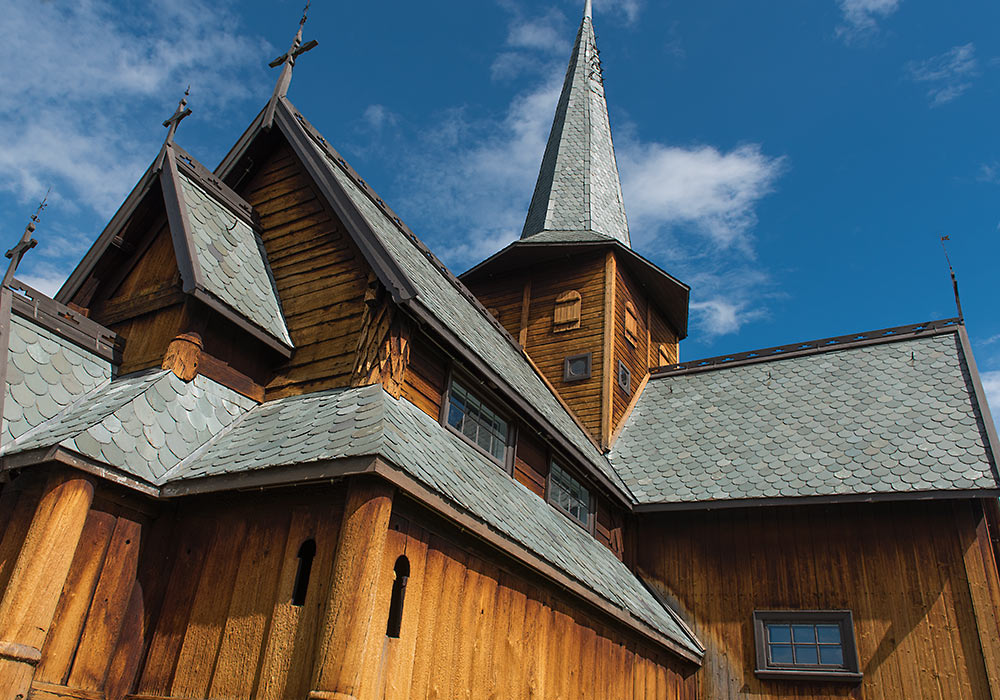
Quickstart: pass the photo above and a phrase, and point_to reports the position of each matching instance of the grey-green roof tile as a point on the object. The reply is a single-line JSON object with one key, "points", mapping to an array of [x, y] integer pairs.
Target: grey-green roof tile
{"points": [[896, 417], [116, 424], [232, 260], [45, 374]]}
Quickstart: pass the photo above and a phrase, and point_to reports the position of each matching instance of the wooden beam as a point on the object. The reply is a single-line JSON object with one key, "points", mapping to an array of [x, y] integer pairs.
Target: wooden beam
{"points": [[636, 395], [607, 378], [522, 337], [118, 310]]}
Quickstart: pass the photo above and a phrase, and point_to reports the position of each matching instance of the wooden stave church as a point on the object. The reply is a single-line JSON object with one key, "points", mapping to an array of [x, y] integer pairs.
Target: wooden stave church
{"points": [[230, 469]]}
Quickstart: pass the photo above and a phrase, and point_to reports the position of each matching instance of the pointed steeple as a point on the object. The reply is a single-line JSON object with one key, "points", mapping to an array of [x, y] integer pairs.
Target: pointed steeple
{"points": [[578, 187]]}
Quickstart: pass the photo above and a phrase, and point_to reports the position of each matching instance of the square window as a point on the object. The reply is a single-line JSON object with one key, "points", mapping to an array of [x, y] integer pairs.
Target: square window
{"points": [[476, 422], [577, 367], [816, 645], [624, 378]]}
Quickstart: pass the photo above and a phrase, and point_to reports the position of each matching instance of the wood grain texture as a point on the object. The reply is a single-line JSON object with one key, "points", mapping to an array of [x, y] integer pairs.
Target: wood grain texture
{"points": [[426, 377], [912, 574], [319, 273]]}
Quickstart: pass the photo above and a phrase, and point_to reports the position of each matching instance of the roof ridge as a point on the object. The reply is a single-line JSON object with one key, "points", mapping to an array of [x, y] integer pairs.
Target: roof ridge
{"points": [[810, 347]]}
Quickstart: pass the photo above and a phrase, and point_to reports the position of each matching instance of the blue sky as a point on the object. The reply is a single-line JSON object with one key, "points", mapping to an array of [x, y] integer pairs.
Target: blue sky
{"points": [[795, 162]]}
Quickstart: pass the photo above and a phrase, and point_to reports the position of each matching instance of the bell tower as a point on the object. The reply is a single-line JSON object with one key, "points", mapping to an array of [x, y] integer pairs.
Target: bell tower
{"points": [[591, 313]]}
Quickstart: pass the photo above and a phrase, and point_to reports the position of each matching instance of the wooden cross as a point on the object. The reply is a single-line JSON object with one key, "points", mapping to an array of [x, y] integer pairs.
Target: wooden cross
{"points": [[287, 59], [178, 116], [25, 244]]}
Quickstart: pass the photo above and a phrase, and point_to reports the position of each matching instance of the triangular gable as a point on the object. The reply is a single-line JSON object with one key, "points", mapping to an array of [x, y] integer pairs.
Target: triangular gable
{"points": [[217, 245], [419, 281]]}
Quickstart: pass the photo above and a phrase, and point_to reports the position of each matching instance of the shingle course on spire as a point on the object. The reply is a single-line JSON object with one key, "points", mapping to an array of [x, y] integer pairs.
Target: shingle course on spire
{"points": [[578, 186]]}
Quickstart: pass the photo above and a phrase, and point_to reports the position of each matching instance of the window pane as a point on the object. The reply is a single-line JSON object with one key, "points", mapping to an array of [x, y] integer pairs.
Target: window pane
{"points": [[779, 633], [803, 633], [482, 426], [569, 494], [806, 654], [832, 655], [781, 654], [828, 634]]}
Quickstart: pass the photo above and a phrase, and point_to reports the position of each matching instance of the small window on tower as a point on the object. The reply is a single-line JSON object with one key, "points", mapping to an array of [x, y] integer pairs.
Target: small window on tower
{"points": [[577, 367], [624, 378], [567, 313], [631, 324]]}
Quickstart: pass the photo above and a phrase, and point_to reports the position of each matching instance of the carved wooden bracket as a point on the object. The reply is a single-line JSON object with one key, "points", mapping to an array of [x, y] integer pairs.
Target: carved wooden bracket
{"points": [[183, 356]]}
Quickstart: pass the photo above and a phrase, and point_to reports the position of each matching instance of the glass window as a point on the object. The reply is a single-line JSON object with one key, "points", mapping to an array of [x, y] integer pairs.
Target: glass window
{"points": [[806, 644], [569, 494], [480, 424]]}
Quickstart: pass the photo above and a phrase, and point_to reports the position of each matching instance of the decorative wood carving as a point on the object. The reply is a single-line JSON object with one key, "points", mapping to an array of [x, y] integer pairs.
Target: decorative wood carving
{"points": [[567, 312], [183, 355]]}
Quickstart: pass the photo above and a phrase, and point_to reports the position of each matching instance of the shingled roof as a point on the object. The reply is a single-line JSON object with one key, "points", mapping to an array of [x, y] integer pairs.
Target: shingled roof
{"points": [[578, 188], [901, 415]]}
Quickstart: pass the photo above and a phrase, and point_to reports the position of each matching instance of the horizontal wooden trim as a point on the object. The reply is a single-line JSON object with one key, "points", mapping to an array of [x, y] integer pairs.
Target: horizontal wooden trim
{"points": [[221, 372], [809, 676], [816, 500], [20, 652], [50, 691], [59, 455], [118, 310]]}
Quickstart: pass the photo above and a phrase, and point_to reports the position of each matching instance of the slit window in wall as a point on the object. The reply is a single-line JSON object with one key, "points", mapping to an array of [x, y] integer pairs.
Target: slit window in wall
{"points": [[806, 645], [624, 378], [631, 324], [400, 577], [577, 367], [307, 552], [567, 312]]}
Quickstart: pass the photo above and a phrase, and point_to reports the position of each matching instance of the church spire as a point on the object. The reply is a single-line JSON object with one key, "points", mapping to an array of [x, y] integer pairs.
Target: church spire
{"points": [[578, 186]]}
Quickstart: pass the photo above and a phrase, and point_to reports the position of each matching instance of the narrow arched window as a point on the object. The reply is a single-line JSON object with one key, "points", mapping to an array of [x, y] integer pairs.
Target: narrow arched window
{"points": [[307, 552], [400, 575]]}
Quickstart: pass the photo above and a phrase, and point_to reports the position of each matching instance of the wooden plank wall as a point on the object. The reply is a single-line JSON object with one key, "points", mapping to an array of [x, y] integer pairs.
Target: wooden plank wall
{"points": [[473, 630], [635, 356], [17, 507], [504, 295], [549, 349], [661, 334], [320, 275], [913, 575], [228, 628], [426, 377]]}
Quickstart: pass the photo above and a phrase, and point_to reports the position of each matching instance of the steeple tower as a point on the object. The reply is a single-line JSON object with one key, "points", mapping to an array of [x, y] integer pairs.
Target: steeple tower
{"points": [[578, 188]]}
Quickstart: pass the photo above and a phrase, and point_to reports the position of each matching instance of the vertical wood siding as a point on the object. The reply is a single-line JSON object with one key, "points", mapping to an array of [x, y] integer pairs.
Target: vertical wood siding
{"points": [[634, 356], [473, 630], [320, 275], [913, 575]]}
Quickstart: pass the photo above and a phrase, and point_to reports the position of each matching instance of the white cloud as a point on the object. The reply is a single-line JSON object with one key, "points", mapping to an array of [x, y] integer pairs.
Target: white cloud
{"points": [[861, 16], [721, 316], [77, 74], [378, 116], [947, 76], [716, 193], [991, 383]]}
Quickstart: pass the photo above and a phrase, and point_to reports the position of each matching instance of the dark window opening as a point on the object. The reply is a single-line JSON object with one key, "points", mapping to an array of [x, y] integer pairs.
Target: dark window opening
{"points": [[307, 552], [806, 644], [577, 367], [624, 378], [400, 574]]}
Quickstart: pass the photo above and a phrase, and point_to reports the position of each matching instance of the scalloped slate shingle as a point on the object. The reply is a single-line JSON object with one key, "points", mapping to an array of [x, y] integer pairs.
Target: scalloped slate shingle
{"points": [[232, 260], [45, 374], [143, 424], [367, 421], [890, 418]]}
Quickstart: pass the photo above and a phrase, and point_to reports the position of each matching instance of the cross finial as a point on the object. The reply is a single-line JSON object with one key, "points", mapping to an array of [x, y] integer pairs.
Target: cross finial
{"points": [[178, 116], [26, 243], [954, 279], [287, 59]]}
